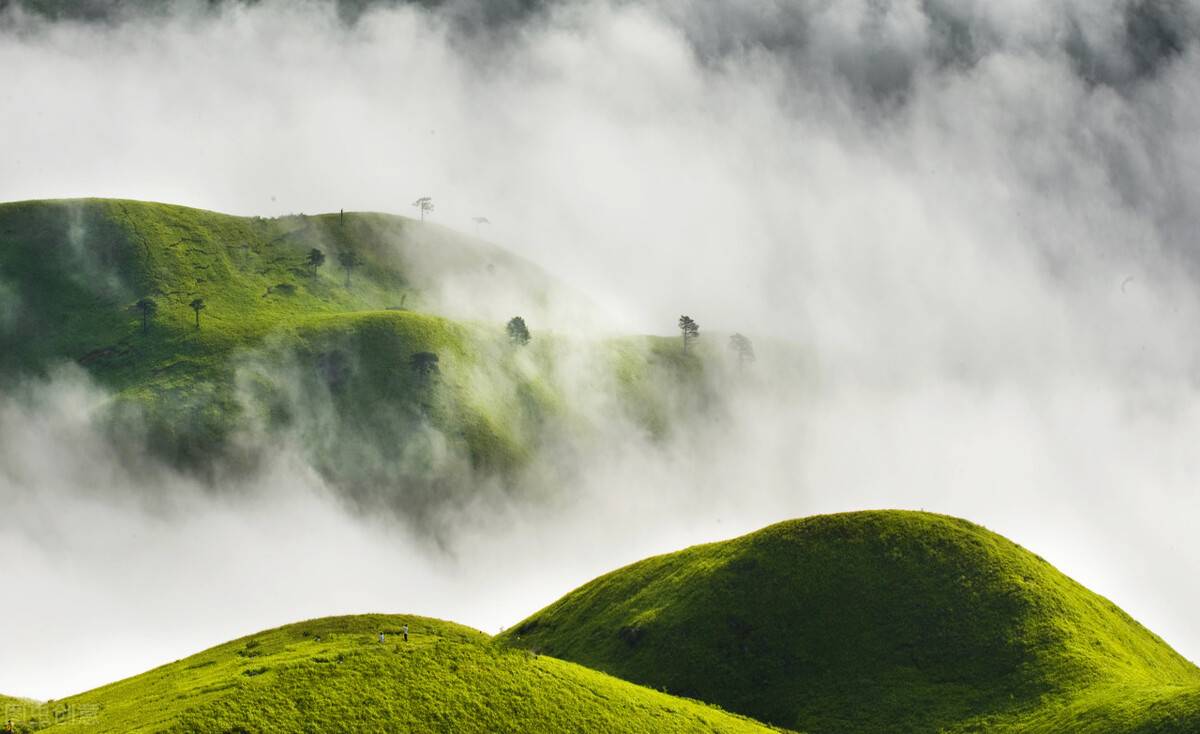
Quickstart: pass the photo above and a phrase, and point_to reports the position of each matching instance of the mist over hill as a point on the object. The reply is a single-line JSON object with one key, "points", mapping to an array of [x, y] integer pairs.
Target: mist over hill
{"points": [[880, 621], [969, 225]]}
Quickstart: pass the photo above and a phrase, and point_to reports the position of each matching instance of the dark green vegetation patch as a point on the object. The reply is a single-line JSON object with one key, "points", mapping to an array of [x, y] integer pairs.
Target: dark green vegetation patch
{"points": [[374, 344]]}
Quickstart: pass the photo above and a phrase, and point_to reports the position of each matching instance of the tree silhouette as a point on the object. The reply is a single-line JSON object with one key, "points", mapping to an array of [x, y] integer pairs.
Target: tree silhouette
{"points": [[424, 205], [315, 259], [349, 260], [198, 305], [690, 329], [148, 308], [423, 363], [744, 349], [518, 333], [478, 221]]}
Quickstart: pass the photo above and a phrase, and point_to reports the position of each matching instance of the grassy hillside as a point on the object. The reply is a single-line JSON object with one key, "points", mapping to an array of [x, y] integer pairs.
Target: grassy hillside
{"points": [[12, 707], [73, 270], [320, 355], [334, 675], [874, 622]]}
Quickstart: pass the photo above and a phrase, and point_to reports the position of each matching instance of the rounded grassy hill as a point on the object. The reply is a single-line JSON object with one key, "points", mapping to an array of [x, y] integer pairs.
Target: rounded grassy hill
{"points": [[374, 344], [875, 622], [334, 674]]}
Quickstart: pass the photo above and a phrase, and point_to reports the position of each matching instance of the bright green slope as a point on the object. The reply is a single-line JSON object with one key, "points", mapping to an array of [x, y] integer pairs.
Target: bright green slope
{"points": [[875, 622], [12, 706], [447, 678]]}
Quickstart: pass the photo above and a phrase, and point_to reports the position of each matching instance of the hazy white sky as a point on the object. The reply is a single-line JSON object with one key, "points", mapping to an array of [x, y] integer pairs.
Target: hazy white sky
{"points": [[979, 217]]}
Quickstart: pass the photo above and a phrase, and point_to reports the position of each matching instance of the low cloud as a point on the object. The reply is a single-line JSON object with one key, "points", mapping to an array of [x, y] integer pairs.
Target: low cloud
{"points": [[974, 219]]}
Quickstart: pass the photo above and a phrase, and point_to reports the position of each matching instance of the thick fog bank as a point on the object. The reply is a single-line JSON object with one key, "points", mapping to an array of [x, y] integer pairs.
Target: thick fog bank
{"points": [[979, 217]]}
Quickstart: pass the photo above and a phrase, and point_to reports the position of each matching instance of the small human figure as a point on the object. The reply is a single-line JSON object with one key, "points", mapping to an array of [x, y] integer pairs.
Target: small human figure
{"points": [[406, 633], [382, 638]]}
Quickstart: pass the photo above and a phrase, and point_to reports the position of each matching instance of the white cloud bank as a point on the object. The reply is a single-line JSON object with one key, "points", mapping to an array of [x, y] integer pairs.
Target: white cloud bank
{"points": [[978, 218]]}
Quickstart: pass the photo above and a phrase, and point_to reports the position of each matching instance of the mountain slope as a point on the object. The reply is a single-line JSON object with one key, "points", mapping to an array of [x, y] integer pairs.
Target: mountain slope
{"points": [[12, 707], [71, 272], [875, 621], [334, 675], [322, 358]]}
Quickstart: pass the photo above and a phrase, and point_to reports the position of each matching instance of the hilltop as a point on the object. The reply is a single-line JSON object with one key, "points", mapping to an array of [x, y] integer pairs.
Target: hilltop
{"points": [[334, 675], [865, 622], [326, 357], [12, 707], [875, 621]]}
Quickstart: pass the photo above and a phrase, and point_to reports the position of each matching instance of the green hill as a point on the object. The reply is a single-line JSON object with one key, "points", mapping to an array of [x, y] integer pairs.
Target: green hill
{"points": [[334, 675], [875, 622], [321, 355], [864, 622], [12, 707]]}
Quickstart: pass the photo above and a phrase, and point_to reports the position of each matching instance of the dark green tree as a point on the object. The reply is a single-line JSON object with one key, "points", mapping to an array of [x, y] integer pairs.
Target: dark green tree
{"points": [[349, 260], [315, 259], [742, 346], [423, 363], [690, 329], [518, 333], [148, 308], [198, 305], [424, 205]]}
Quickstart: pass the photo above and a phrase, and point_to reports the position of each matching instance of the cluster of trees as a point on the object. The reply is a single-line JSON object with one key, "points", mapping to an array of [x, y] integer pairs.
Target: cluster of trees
{"points": [[426, 363], [148, 308], [740, 344], [348, 259]]}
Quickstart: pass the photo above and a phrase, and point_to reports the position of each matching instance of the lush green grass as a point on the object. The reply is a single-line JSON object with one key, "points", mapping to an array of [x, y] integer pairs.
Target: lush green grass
{"points": [[13, 707], [334, 675], [286, 347], [863, 622], [874, 622]]}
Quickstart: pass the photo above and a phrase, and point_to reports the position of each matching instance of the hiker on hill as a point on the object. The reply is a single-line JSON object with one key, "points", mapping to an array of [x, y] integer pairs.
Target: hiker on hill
{"points": [[382, 639], [10, 727], [406, 633]]}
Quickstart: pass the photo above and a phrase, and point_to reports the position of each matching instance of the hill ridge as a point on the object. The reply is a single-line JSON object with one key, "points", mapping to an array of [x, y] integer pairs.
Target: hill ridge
{"points": [[1005, 643], [337, 673], [939, 623]]}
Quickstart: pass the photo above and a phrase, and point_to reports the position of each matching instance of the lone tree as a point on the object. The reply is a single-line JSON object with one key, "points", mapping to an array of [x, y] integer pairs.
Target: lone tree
{"points": [[148, 308], [518, 333], [690, 329], [315, 259], [349, 260], [478, 221], [198, 305], [744, 349], [424, 205], [423, 363]]}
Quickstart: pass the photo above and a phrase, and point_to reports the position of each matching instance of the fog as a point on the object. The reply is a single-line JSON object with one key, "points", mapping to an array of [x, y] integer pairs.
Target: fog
{"points": [[977, 218]]}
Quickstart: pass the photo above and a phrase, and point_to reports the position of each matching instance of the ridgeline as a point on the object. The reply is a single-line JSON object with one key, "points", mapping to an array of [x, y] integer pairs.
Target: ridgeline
{"points": [[875, 622], [868, 622]]}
